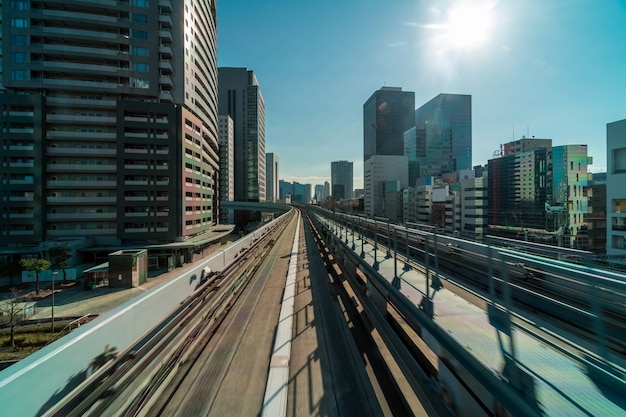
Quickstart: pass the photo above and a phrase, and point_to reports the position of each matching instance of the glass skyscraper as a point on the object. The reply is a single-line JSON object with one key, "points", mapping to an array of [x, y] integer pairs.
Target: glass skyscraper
{"points": [[387, 114], [448, 115], [341, 178]]}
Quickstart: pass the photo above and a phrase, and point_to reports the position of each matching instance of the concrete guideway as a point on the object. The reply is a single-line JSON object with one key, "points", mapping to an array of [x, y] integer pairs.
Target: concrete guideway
{"points": [[559, 385]]}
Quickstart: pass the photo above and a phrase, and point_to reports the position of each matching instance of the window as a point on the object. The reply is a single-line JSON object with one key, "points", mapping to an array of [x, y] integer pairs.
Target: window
{"points": [[140, 3], [140, 18], [19, 40], [619, 161], [141, 67], [19, 75], [137, 83], [19, 57], [19, 5], [19, 23], [140, 34], [140, 51]]}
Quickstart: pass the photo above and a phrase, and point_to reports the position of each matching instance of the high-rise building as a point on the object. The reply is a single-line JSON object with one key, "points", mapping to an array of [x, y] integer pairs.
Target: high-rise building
{"points": [[518, 190], [615, 190], [319, 193], [110, 128], [227, 167], [271, 177], [240, 97], [429, 151], [596, 217], [445, 117], [569, 190], [285, 190], [227, 158], [379, 170], [341, 179], [387, 114]]}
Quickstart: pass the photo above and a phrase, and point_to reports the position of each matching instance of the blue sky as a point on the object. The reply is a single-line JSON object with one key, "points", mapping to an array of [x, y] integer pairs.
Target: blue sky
{"points": [[545, 68]]}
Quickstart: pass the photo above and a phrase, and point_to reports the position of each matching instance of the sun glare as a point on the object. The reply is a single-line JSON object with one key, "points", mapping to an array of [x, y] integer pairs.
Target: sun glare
{"points": [[467, 25]]}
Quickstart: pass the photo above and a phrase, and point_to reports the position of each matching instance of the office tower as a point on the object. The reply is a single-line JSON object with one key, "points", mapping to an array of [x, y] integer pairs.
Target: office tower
{"points": [[615, 190], [326, 189], [596, 219], [319, 193], [271, 177], [240, 97], [109, 121], [448, 115], [429, 151], [518, 190], [299, 193], [285, 189], [227, 167], [387, 114], [341, 180], [379, 169], [227, 158], [569, 191]]}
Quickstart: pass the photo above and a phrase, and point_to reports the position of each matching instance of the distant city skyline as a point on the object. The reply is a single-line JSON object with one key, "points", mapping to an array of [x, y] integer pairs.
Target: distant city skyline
{"points": [[556, 78]]}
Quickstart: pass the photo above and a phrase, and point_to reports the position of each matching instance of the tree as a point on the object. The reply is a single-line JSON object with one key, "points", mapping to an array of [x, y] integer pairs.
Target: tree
{"points": [[60, 259], [36, 266], [12, 310]]}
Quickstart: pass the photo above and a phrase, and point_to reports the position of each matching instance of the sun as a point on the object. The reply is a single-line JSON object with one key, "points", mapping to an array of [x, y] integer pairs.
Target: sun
{"points": [[467, 25]]}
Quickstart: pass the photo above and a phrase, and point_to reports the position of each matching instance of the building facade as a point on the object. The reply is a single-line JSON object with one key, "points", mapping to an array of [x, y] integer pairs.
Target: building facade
{"points": [[429, 150], [380, 169], [341, 178], [110, 121], [525, 145], [474, 207], [387, 114], [227, 158], [448, 115], [240, 97], [271, 177], [615, 190], [569, 190], [518, 188]]}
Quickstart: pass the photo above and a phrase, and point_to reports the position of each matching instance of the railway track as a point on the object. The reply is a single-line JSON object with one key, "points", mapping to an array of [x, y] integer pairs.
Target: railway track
{"points": [[146, 375]]}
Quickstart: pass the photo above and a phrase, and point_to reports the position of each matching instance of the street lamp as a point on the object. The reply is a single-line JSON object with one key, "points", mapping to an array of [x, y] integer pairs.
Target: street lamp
{"points": [[54, 274]]}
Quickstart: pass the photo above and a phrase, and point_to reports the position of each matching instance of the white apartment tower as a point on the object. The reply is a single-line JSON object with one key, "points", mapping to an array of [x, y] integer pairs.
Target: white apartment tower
{"points": [[615, 189]]}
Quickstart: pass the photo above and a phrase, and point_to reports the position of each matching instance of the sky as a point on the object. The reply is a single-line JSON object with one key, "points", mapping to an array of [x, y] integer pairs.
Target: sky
{"points": [[545, 68]]}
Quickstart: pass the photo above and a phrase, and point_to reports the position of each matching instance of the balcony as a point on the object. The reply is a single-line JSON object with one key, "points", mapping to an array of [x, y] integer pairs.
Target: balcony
{"points": [[81, 168], [81, 184], [80, 216], [81, 232], [56, 151], [81, 200]]}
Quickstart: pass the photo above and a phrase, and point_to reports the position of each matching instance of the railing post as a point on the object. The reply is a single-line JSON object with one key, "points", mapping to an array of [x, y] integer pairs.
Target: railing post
{"points": [[407, 267]]}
